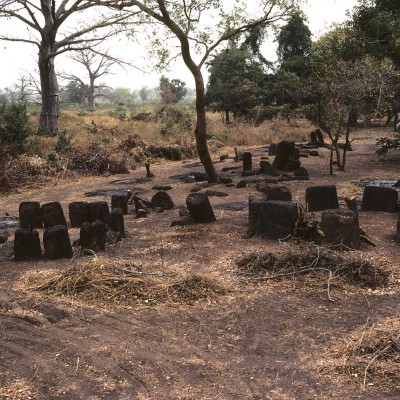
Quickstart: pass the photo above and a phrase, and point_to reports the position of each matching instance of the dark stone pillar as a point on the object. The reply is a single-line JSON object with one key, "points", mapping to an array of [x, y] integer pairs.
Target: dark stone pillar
{"points": [[377, 198], [57, 243], [99, 210], [78, 213], [163, 200], [199, 207], [30, 215], [341, 227], [320, 198], [247, 161], [117, 221], [93, 235], [277, 219], [52, 214], [120, 201], [26, 245], [255, 202]]}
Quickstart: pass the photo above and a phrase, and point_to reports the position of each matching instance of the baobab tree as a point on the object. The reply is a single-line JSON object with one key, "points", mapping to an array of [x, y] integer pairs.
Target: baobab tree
{"points": [[97, 65], [200, 26], [43, 21]]}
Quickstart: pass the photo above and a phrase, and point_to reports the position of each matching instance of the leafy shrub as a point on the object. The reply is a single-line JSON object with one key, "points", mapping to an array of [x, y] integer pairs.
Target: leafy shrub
{"points": [[14, 127], [387, 144], [119, 113]]}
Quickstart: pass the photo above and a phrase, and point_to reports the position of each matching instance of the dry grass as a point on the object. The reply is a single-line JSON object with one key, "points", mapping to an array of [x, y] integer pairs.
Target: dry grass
{"points": [[120, 283], [17, 389], [241, 134], [371, 355], [320, 262]]}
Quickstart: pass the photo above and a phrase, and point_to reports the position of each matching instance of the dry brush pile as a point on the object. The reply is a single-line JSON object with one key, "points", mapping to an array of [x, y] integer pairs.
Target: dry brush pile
{"points": [[120, 283], [314, 262], [371, 355]]}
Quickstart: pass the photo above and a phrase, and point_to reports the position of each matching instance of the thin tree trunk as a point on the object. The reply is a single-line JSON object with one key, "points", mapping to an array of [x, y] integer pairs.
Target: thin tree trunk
{"points": [[227, 117], [201, 129], [346, 144], [91, 95]]}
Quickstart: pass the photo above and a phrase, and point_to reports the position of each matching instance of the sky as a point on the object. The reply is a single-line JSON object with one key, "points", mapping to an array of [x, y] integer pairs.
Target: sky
{"points": [[18, 58]]}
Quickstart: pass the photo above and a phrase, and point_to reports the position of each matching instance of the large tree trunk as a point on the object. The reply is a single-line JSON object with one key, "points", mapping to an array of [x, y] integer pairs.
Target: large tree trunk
{"points": [[201, 128], [48, 122]]}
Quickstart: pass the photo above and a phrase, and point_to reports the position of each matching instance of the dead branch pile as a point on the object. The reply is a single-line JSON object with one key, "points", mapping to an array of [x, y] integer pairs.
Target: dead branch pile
{"points": [[95, 160], [123, 284], [312, 260], [372, 354]]}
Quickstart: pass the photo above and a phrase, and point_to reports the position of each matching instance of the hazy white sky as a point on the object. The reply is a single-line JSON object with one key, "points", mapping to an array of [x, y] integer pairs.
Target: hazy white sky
{"points": [[15, 58]]}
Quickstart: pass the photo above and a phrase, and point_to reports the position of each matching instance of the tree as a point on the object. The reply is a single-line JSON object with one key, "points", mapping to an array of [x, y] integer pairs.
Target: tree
{"points": [[375, 24], [22, 91], [200, 26], [235, 82], [144, 93], [97, 65], [73, 92], [122, 95], [172, 91], [294, 45], [342, 86], [43, 21]]}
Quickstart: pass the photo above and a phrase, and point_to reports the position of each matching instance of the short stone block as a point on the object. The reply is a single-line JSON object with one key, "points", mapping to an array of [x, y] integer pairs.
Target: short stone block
{"points": [[93, 235], [53, 214], [277, 219], [255, 202], [341, 227], [57, 243], [120, 201], [98, 210], [268, 169], [274, 192], [117, 221], [377, 198], [319, 198], [162, 199], [26, 245], [78, 213], [247, 161], [199, 207], [30, 215]]}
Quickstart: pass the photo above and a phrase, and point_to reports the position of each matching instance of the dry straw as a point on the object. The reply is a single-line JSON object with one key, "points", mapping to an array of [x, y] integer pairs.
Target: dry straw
{"points": [[120, 283]]}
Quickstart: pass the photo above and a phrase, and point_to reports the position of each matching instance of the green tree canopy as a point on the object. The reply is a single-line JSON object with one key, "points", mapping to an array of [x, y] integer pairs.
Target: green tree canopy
{"points": [[172, 91], [235, 82]]}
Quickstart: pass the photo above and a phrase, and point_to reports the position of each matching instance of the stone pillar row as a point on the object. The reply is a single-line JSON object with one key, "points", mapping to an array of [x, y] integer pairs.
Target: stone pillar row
{"points": [[94, 219]]}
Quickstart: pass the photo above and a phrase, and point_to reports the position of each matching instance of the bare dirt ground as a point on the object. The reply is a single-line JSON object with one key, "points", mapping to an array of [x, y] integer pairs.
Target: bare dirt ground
{"points": [[271, 340]]}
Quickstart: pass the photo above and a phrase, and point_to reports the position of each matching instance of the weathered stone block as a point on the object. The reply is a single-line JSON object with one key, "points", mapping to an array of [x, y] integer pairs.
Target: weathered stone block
{"points": [[99, 210], [319, 198], [26, 245], [30, 215], [53, 214], [274, 192], [162, 199], [377, 198], [78, 213], [255, 202], [247, 161], [277, 219], [341, 227], [57, 243], [117, 221], [199, 207], [120, 201]]}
